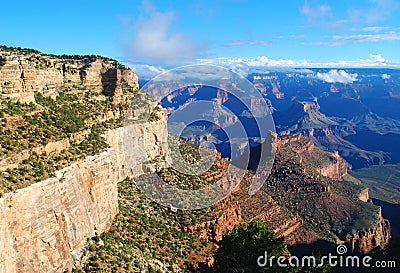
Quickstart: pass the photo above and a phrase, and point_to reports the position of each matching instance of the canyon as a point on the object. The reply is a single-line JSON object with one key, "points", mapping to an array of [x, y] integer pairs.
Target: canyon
{"points": [[347, 117], [50, 225]]}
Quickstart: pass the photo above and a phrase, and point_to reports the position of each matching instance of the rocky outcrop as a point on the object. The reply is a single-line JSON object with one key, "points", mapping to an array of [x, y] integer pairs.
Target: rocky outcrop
{"points": [[364, 195], [56, 146], [15, 160], [365, 241], [307, 181], [229, 215], [329, 164], [43, 227], [337, 169], [25, 72]]}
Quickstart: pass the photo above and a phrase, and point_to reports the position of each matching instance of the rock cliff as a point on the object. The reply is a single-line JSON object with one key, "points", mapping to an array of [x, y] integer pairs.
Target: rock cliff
{"points": [[25, 72], [309, 182], [364, 195], [365, 240], [43, 227]]}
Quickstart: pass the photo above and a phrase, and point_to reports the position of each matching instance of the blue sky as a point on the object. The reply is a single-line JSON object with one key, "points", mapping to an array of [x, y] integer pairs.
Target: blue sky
{"points": [[177, 32]]}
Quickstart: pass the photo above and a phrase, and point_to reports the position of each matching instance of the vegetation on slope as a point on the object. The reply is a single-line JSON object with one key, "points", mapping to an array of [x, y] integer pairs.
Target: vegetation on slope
{"points": [[382, 181], [144, 237], [241, 248], [329, 208], [26, 128]]}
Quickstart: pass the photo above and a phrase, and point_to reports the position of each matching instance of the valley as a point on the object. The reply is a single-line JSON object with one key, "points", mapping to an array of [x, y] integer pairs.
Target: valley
{"points": [[72, 197], [359, 117], [383, 185]]}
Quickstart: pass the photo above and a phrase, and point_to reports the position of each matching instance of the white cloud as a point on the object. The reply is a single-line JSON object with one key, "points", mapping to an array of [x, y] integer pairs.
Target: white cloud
{"points": [[387, 36], [367, 13], [374, 36], [298, 36], [154, 41], [375, 28], [386, 76], [316, 12], [337, 76], [247, 43], [377, 58], [145, 71], [380, 10], [374, 60], [244, 66]]}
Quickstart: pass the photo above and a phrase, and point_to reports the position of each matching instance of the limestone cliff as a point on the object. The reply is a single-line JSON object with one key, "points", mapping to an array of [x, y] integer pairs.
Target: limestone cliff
{"points": [[25, 72], [44, 226]]}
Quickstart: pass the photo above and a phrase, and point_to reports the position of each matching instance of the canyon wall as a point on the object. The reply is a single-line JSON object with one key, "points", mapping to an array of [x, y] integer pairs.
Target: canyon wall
{"points": [[296, 183], [367, 240], [43, 227], [25, 72], [337, 169]]}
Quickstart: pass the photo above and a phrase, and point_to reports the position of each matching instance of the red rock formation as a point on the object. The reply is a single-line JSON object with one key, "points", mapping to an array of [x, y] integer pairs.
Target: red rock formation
{"points": [[364, 196], [25, 73], [365, 241]]}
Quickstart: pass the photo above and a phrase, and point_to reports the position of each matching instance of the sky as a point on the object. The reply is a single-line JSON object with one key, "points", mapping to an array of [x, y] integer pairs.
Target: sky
{"points": [[171, 33]]}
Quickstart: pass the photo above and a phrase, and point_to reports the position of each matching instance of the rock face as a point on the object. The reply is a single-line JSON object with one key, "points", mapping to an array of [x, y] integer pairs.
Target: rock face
{"points": [[308, 181], [44, 226], [364, 195], [337, 169], [365, 241], [329, 164], [25, 72], [228, 216]]}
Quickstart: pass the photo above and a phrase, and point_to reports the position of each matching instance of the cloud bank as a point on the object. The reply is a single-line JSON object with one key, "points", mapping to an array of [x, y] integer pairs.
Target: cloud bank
{"points": [[337, 76], [373, 60], [244, 66]]}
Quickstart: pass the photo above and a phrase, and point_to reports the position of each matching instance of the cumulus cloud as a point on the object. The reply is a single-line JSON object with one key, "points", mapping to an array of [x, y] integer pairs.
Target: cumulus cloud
{"points": [[374, 60], [244, 66], [152, 39], [377, 58], [386, 76], [337, 76]]}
